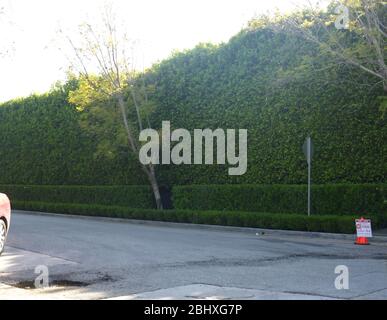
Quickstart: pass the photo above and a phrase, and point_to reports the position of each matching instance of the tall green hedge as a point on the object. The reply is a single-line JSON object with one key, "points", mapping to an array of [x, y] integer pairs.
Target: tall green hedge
{"points": [[340, 199], [281, 89], [130, 196], [277, 86], [42, 142]]}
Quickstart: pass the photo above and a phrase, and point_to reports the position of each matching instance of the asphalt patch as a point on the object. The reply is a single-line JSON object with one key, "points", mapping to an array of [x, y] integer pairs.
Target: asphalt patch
{"points": [[30, 285]]}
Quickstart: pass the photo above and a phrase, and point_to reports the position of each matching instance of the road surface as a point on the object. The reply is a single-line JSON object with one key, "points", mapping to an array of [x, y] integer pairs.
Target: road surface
{"points": [[96, 259]]}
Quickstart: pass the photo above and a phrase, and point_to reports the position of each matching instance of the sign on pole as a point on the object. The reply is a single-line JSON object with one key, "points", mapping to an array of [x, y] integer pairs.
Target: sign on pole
{"points": [[363, 228], [308, 151]]}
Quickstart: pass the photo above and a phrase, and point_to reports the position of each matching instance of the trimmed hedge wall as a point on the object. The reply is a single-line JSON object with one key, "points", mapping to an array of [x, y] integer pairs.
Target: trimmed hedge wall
{"points": [[337, 224], [336, 199], [131, 196], [278, 86]]}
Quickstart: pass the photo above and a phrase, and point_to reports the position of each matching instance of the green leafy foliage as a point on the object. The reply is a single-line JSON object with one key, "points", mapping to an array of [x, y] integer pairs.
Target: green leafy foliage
{"points": [[337, 199], [43, 141], [279, 87], [131, 196]]}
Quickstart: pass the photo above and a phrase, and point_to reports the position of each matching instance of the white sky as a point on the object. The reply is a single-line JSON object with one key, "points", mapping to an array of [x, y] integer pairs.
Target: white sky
{"points": [[161, 25]]}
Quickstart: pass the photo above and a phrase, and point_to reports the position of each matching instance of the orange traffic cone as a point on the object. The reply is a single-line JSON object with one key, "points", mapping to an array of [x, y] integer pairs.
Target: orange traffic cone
{"points": [[361, 241]]}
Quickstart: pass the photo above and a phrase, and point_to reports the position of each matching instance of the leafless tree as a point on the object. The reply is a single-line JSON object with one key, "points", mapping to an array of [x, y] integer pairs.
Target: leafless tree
{"points": [[110, 53], [367, 21]]}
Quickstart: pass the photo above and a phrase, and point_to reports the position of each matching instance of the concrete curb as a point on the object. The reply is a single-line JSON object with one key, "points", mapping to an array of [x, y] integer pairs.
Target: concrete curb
{"points": [[258, 231]]}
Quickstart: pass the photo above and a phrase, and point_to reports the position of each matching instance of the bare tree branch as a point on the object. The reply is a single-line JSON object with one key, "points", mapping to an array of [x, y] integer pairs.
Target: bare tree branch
{"points": [[365, 24]]}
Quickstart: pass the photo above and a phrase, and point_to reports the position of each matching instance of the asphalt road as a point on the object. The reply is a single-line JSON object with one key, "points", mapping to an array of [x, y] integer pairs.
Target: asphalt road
{"points": [[96, 259]]}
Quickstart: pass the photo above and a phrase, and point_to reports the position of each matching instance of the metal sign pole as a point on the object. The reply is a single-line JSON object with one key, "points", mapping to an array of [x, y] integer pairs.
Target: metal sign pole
{"points": [[308, 151], [309, 173]]}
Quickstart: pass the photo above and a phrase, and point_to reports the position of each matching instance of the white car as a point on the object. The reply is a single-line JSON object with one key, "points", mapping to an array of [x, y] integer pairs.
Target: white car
{"points": [[5, 219]]}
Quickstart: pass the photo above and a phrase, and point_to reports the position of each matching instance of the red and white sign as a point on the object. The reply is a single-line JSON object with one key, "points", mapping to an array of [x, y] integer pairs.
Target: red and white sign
{"points": [[363, 228]]}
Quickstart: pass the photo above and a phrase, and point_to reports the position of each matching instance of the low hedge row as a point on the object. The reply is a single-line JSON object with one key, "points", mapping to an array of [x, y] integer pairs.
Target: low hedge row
{"points": [[336, 199], [336, 224], [132, 196]]}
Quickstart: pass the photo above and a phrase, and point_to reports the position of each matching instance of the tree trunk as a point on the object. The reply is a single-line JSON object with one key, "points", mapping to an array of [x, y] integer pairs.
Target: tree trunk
{"points": [[150, 172]]}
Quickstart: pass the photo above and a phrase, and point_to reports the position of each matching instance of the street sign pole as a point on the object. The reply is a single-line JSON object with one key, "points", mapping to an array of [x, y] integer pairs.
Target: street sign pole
{"points": [[308, 150], [309, 173]]}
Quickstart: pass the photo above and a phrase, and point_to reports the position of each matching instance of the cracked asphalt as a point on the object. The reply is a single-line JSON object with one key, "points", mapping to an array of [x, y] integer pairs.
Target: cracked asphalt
{"points": [[96, 259]]}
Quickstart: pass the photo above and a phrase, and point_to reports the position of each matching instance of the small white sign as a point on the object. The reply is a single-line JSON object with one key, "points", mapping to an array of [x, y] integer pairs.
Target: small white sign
{"points": [[363, 228]]}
